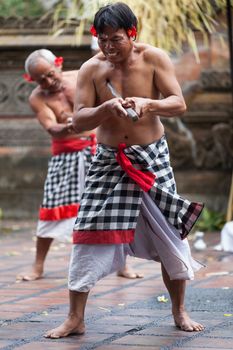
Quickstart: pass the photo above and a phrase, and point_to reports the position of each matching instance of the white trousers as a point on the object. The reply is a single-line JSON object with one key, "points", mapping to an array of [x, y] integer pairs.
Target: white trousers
{"points": [[155, 239]]}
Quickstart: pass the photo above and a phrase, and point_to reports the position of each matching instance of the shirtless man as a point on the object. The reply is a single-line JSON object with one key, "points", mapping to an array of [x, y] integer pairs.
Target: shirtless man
{"points": [[52, 101], [137, 210]]}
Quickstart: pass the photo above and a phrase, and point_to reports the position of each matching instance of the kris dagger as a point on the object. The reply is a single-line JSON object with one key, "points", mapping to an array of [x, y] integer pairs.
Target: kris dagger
{"points": [[130, 111]]}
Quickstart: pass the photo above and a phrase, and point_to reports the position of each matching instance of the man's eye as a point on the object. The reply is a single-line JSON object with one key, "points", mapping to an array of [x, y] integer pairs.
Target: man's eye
{"points": [[117, 40]]}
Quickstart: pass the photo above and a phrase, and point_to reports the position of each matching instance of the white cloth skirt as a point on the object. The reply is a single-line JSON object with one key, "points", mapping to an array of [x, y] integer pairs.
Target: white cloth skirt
{"points": [[155, 239], [61, 230]]}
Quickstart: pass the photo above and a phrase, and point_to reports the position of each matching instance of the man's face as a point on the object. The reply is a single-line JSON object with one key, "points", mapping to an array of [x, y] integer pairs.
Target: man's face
{"points": [[47, 76], [115, 44]]}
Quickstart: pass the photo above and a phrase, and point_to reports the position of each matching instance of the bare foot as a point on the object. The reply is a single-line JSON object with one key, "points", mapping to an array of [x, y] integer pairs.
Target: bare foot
{"points": [[128, 273], [35, 274], [184, 322], [70, 326]]}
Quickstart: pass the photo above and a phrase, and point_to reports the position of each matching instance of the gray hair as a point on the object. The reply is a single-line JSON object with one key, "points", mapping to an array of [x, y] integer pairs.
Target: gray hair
{"points": [[35, 56]]}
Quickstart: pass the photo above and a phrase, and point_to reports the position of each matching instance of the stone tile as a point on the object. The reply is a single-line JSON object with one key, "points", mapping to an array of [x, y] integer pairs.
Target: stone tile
{"points": [[149, 340], [128, 347], [50, 345], [120, 313], [4, 343], [169, 330], [223, 332], [218, 282], [212, 343], [23, 330], [126, 320]]}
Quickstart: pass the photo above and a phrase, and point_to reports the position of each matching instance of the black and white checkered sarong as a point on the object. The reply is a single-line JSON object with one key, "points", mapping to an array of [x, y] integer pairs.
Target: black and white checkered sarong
{"points": [[110, 204], [62, 185]]}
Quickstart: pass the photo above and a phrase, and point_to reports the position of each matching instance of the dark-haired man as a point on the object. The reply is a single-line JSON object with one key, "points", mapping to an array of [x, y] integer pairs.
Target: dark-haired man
{"points": [[130, 204]]}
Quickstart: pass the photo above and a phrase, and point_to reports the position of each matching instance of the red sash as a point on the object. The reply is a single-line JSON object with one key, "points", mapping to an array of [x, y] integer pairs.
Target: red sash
{"points": [[73, 145], [145, 179]]}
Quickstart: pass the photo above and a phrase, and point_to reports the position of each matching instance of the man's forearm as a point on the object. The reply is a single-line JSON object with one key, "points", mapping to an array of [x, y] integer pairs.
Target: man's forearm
{"points": [[88, 118], [167, 107], [59, 130]]}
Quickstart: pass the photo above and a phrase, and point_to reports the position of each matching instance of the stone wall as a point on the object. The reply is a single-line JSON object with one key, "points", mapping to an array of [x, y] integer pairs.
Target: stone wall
{"points": [[201, 142]]}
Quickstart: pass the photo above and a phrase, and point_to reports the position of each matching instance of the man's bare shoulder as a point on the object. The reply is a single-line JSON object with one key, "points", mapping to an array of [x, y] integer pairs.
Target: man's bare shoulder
{"points": [[151, 53], [69, 78], [38, 99], [93, 63], [36, 95], [70, 74]]}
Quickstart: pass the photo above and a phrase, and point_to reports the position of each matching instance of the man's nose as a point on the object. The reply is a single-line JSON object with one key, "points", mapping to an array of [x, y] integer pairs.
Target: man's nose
{"points": [[109, 44], [49, 81]]}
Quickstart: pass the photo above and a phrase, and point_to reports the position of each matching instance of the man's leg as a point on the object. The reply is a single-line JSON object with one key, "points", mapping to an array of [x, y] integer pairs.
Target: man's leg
{"points": [[74, 324], [176, 289], [42, 248]]}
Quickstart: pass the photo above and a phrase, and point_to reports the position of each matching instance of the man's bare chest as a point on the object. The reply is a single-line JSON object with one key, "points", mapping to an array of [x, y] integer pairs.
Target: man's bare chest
{"points": [[58, 101], [127, 83]]}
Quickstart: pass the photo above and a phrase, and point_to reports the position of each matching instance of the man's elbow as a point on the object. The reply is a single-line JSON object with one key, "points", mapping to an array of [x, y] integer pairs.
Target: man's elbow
{"points": [[182, 107], [77, 124], [78, 127]]}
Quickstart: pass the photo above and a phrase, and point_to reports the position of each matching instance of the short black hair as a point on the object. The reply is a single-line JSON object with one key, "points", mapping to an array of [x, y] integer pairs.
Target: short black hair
{"points": [[117, 16]]}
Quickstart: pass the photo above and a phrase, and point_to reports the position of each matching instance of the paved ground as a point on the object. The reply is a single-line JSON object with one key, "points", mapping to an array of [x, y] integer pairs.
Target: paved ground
{"points": [[121, 314]]}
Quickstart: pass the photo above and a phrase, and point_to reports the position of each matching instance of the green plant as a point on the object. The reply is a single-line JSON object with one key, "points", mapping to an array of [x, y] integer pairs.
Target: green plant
{"points": [[19, 8], [210, 221]]}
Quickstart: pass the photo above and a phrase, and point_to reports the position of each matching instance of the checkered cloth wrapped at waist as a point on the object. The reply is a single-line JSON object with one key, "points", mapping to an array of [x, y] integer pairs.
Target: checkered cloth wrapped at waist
{"points": [[111, 201], [66, 170]]}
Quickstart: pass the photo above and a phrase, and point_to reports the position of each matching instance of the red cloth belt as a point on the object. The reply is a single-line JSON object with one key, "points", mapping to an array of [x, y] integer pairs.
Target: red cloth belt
{"points": [[73, 145], [145, 179], [103, 237]]}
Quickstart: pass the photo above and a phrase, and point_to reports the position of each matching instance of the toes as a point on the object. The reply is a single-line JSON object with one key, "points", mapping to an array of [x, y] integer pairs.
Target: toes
{"points": [[51, 335], [32, 277], [190, 327], [28, 278], [46, 335], [129, 275], [193, 328], [198, 328]]}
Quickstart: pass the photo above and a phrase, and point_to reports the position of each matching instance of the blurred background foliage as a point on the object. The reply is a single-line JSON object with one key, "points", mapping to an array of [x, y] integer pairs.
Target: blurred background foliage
{"points": [[21, 8], [163, 23], [210, 221]]}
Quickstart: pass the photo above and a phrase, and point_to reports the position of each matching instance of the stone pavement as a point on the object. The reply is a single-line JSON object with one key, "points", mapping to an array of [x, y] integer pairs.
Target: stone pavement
{"points": [[121, 314]]}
